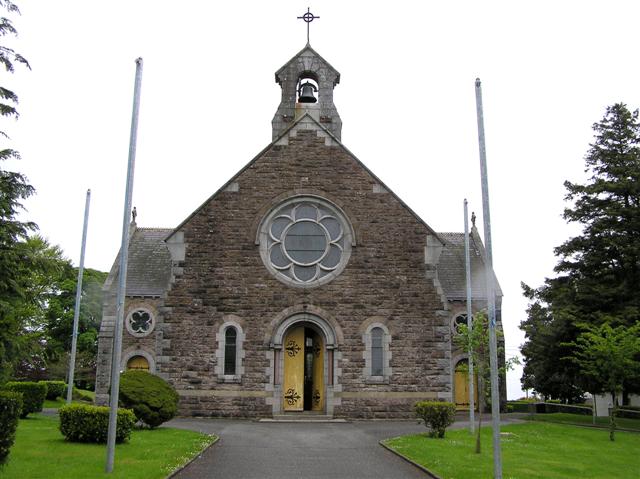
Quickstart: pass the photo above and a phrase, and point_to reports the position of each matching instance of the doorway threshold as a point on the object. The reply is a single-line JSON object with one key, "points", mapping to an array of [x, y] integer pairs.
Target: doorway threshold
{"points": [[301, 417]]}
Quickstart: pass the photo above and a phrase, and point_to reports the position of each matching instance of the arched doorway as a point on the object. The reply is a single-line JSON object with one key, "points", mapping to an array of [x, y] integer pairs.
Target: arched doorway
{"points": [[461, 385], [138, 362], [303, 386]]}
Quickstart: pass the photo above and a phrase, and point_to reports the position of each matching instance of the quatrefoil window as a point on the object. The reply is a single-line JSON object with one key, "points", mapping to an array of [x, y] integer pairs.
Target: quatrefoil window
{"points": [[140, 322], [306, 241]]}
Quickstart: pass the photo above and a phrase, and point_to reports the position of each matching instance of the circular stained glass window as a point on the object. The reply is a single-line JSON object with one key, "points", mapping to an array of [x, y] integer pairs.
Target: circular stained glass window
{"points": [[140, 322], [305, 241]]}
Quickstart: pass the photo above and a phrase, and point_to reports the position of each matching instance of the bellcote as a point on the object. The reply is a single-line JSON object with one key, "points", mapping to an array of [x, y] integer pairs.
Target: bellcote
{"points": [[307, 67]]}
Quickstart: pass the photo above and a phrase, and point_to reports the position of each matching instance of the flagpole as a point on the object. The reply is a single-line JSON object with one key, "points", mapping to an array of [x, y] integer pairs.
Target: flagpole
{"points": [[467, 260], [76, 311], [490, 285], [122, 275]]}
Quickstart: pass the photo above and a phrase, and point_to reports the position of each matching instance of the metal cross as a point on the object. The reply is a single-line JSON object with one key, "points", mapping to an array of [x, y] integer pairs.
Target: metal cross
{"points": [[308, 18]]}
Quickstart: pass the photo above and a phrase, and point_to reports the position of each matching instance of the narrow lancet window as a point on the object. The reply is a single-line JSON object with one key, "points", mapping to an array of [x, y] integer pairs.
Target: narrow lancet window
{"points": [[230, 351], [377, 359]]}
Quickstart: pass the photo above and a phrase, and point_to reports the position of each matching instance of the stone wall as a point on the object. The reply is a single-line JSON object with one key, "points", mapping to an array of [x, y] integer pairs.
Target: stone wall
{"points": [[222, 274]]}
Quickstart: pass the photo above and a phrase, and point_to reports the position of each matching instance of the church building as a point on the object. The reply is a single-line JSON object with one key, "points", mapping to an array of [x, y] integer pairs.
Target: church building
{"points": [[303, 286]]}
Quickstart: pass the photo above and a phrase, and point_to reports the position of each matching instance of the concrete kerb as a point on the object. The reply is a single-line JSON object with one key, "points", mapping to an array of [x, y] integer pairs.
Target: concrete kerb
{"points": [[419, 466], [198, 456]]}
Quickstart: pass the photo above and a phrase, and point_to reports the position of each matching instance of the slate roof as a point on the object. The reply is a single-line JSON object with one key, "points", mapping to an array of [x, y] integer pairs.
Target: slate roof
{"points": [[451, 268], [149, 268]]}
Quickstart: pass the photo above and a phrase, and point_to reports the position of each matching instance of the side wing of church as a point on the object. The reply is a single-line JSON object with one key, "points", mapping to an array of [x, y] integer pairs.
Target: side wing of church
{"points": [[303, 286]]}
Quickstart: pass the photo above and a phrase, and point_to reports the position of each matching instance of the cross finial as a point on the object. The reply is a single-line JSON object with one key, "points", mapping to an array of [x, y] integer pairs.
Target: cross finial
{"points": [[308, 18]]}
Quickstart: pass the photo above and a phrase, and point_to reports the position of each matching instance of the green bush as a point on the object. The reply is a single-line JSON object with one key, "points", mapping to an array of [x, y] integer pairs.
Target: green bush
{"points": [[10, 409], [78, 395], [84, 423], [55, 389], [33, 395], [152, 399], [437, 416]]}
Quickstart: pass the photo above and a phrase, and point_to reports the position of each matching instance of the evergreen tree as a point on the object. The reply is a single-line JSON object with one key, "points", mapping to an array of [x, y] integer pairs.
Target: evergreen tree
{"points": [[598, 278], [14, 188]]}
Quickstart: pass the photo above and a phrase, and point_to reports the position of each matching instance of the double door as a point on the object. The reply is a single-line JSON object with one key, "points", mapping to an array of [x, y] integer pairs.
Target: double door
{"points": [[303, 385]]}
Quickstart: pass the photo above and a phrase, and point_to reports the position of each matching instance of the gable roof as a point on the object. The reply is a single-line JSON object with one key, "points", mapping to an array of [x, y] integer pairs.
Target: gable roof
{"points": [[452, 270], [299, 54], [149, 263], [306, 117]]}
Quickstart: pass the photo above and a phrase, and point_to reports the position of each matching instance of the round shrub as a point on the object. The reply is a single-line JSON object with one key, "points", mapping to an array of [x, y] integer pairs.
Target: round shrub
{"points": [[55, 389], [33, 395], [10, 408], [152, 399], [437, 416], [84, 423]]}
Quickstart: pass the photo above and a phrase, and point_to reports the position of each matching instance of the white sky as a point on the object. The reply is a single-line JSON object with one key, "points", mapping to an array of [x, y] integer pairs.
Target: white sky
{"points": [[406, 98]]}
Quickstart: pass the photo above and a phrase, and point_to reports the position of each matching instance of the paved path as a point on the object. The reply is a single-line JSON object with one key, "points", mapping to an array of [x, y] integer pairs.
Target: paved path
{"points": [[265, 450]]}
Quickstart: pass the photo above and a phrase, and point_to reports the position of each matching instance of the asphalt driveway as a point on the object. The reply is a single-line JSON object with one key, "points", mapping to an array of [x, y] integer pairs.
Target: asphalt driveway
{"points": [[307, 450], [265, 450]]}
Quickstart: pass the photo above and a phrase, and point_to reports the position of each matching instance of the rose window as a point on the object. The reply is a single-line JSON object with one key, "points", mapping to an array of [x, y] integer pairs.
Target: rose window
{"points": [[306, 242], [140, 322]]}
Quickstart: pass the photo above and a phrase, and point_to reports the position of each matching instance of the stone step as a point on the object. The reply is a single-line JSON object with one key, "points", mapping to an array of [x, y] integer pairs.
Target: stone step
{"points": [[306, 417]]}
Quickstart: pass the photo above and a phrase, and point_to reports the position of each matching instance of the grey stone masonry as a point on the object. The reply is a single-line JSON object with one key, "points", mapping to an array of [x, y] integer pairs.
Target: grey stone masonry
{"points": [[307, 64]]}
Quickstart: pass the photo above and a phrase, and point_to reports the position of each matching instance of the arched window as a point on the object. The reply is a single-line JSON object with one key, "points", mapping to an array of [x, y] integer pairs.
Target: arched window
{"points": [[230, 352], [230, 336], [377, 352]]}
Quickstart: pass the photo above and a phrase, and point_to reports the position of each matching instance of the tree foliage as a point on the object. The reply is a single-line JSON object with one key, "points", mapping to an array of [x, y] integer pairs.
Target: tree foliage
{"points": [[475, 342], [598, 272], [610, 358], [14, 189]]}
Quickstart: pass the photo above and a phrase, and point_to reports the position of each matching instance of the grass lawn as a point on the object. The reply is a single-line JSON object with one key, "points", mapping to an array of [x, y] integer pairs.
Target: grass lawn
{"points": [[533, 450], [40, 451], [625, 423], [61, 401]]}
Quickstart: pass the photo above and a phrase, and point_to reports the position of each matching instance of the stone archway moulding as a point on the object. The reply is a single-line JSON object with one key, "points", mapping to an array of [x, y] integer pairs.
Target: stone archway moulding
{"points": [[129, 353], [309, 314]]}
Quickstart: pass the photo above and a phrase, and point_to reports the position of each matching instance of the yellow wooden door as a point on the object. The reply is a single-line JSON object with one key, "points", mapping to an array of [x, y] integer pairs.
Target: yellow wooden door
{"points": [[293, 384], [318, 373], [138, 362], [462, 388]]}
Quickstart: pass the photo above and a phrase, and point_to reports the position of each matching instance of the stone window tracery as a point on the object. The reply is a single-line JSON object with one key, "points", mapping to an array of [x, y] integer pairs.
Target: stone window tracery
{"points": [[140, 322], [305, 242]]}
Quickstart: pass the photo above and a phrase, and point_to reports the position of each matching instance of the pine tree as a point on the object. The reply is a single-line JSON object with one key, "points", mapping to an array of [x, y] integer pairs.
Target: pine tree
{"points": [[14, 188], [598, 278], [603, 262]]}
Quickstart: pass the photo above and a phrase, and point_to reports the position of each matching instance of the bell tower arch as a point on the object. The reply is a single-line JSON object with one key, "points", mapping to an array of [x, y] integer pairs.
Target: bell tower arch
{"points": [[299, 78]]}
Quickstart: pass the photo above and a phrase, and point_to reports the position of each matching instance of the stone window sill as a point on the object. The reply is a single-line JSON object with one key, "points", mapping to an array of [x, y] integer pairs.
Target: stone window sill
{"points": [[377, 380], [229, 379]]}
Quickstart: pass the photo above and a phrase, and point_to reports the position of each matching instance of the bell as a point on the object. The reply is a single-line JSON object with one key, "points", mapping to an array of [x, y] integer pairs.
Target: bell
{"points": [[306, 93]]}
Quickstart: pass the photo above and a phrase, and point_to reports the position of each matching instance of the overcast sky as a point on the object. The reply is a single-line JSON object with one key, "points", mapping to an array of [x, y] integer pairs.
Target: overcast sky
{"points": [[406, 99]]}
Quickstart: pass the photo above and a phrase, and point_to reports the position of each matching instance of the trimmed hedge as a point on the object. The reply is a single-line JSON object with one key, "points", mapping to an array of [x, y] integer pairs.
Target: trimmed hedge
{"points": [[55, 389], [33, 395], [10, 409], [152, 399], [437, 416], [84, 423], [77, 395]]}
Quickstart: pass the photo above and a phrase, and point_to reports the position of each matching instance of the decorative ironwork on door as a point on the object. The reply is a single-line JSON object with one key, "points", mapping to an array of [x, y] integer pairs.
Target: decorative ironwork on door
{"points": [[304, 351], [293, 384]]}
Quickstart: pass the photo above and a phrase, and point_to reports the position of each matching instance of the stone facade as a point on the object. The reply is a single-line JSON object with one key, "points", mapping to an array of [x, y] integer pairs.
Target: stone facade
{"points": [[211, 274]]}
